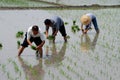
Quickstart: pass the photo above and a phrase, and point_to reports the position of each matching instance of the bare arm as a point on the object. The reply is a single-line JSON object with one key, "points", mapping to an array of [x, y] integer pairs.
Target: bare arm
{"points": [[29, 42], [41, 45], [85, 31], [46, 33], [55, 33], [82, 28], [47, 29]]}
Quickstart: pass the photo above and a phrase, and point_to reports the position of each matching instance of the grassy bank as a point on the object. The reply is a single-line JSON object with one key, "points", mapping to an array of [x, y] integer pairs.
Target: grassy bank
{"points": [[22, 3], [38, 4]]}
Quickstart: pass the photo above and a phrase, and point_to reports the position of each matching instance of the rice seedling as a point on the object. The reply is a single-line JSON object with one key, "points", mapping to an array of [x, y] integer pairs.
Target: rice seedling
{"points": [[50, 37], [68, 37], [53, 76], [1, 45], [19, 34], [8, 75], [67, 76], [4, 68], [68, 67], [66, 23], [81, 77], [61, 64], [18, 44], [33, 48], [62, 72], [58, 78], [110, 78], [74, 22], [34, 72], [17, 78], [27, 78], [44, 32], [88, 73], [75, 63], [49, 72], [37, 52], [75, 28], [15, 67], [97, 58]]}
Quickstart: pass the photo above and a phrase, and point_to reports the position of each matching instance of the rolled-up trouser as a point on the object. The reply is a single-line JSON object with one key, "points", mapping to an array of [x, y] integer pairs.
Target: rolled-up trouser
{"points": [[94, 21]]}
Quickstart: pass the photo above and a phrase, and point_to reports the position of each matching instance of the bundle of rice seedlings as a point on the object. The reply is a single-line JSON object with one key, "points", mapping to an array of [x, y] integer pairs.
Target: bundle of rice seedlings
{"points": [[50, 37], [1, 45], [19, 34], [33, 48], [74, 27]]}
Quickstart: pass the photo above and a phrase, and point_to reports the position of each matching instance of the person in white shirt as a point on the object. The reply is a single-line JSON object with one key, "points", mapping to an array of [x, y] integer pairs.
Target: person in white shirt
{"points": [[86, 21], [33, 35]]}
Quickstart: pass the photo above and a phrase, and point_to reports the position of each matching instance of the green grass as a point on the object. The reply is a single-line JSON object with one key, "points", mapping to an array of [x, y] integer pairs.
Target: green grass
{"points": [[11, 3]]}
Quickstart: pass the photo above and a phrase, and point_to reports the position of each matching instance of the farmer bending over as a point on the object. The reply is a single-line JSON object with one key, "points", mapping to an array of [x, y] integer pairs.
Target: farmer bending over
{"points": [[86, 20], [33, 35], [57, 24]]}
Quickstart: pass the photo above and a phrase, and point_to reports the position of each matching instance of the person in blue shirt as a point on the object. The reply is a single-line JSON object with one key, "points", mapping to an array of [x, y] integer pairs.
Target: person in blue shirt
{"points": [[87, 20], [57, 24]]}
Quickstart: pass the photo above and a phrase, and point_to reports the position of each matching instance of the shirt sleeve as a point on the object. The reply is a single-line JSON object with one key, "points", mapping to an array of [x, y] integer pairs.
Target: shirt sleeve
{"points": [[42, 36], [28, 35]]}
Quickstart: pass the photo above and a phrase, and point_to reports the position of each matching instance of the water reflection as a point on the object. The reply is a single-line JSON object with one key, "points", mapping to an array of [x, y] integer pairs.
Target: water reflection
{"points": [[32, 73], [87, 44], [57, 56]]}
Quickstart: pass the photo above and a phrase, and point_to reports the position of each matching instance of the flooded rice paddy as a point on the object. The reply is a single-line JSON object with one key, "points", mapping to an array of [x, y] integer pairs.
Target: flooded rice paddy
{"points": [[84, 57]]}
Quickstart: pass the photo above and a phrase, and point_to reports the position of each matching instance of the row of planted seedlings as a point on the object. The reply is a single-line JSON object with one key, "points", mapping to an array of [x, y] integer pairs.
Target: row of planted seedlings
{"points": [[68, 69], [8, 73], [72, 68], [4, 68], [94, 58]]}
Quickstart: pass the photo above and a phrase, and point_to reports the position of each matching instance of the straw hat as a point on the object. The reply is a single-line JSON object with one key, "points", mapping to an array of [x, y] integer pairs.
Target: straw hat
{"points": [[85, 20]]}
